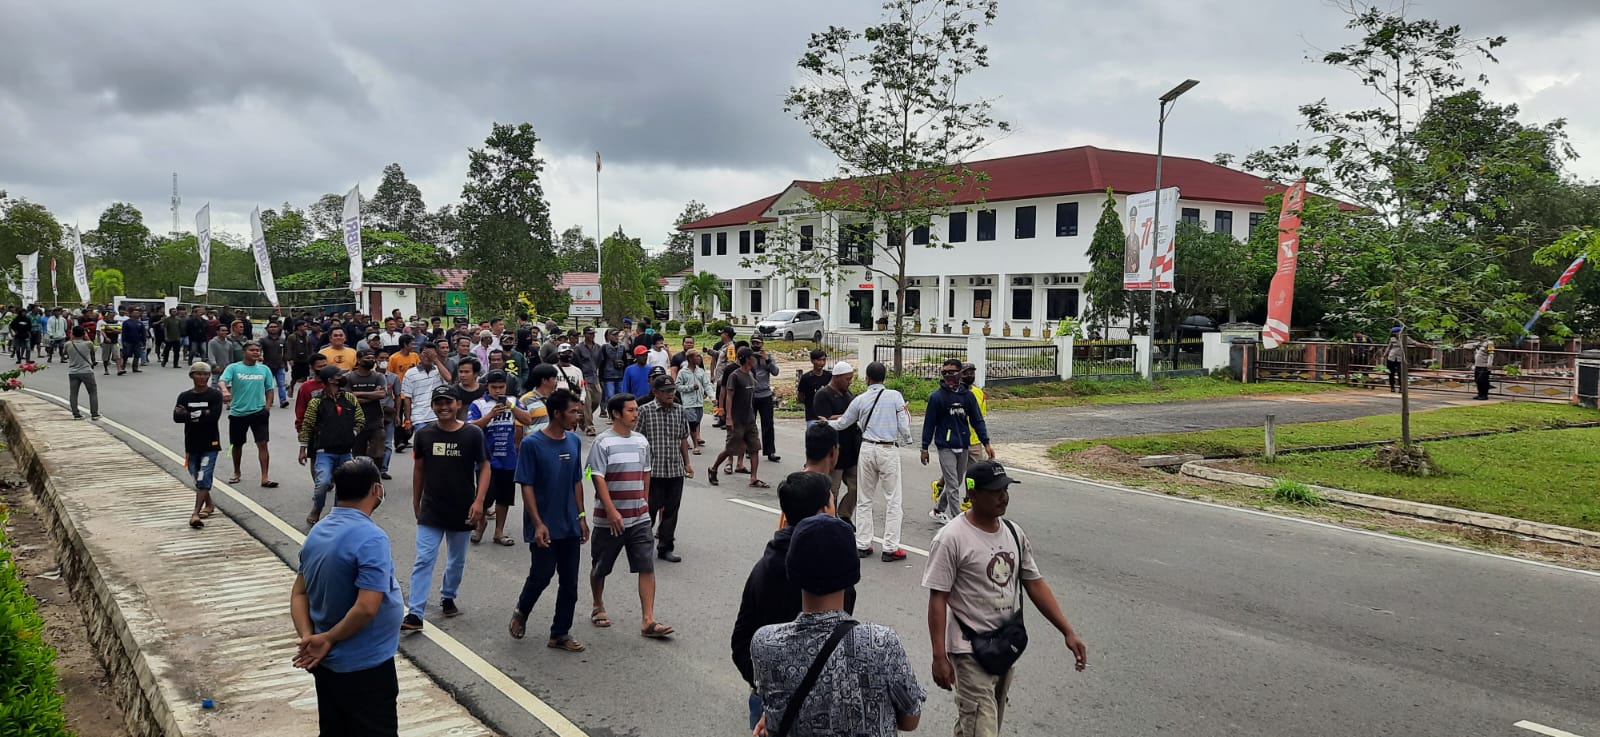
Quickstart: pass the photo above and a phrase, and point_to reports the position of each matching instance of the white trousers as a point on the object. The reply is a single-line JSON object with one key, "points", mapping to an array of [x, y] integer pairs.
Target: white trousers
{"points": [[879, 475]]}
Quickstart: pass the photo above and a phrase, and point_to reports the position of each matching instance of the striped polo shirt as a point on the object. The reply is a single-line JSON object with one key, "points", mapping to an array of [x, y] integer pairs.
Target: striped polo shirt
{"points": [[624, 462]]}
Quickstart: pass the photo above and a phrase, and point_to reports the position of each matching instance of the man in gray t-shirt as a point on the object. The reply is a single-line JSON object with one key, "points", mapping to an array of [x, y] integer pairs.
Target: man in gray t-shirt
{"points": [[764, 370], [739, 386], [80, 371]]}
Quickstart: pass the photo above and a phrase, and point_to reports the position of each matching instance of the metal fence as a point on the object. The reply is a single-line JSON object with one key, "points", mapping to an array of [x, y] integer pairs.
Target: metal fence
{"points": [[1007, 361], [1097, 360], [1183, 358], [1517, 373], [922, 358]]}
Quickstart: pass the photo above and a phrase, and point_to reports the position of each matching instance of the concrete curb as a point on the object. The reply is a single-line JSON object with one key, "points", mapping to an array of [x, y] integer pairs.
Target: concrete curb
{"points": [[1202, 470]]}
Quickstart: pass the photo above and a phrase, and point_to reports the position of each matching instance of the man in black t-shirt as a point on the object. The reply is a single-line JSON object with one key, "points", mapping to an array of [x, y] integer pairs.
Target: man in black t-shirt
{"points": [[811, 381], [370, 387], [450, 472], [199, 409], [829, 403]]}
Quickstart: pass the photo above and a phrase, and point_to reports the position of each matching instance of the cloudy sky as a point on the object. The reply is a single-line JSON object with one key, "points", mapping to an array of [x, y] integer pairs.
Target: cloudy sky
{"points": [[262, 103]]}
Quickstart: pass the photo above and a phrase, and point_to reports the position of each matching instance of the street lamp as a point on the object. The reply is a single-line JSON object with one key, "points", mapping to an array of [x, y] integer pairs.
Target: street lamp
{"points": [[1161, 137]]}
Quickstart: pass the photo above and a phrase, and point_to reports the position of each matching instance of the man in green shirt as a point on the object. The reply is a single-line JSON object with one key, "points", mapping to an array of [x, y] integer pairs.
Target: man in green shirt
{"points": [[247, 388]]}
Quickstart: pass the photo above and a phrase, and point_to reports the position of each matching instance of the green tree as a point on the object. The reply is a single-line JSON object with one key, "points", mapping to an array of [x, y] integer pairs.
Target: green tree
{"points": [[505, 237], [575, 251], [287, 234], [26, 227], [105, 284], [1211, 274], [885, 101], [122, 242], [701, 292], [621, 276], [679, 251], [387, 257], [1103, 287], [397, 206]]}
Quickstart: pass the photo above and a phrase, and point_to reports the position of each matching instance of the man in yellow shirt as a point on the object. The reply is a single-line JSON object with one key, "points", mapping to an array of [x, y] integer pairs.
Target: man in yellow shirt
{"points": [[402, 360], [339, 355]]}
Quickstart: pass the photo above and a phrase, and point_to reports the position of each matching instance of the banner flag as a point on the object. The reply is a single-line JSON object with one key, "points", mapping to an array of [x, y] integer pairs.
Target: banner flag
{"points": [[202, 232], [258, 244], [1148, 255], [352, 235], [55, 294], [11, 286], [1280, 297], [30, 278], [1566, 276], [80, 269]]}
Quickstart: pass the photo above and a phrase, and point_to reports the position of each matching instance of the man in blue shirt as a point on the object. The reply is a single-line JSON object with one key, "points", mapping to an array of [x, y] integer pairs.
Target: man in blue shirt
{"points": [[550, 474], [247, 390], [346, 609], [636, 379]]}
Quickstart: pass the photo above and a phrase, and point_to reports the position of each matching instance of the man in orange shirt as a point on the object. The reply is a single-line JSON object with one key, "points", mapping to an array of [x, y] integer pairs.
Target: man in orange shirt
{"points": [[339, 355]]}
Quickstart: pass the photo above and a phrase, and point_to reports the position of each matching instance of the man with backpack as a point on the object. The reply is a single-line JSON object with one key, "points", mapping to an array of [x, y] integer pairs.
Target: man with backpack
{"points": [[328, 433]]}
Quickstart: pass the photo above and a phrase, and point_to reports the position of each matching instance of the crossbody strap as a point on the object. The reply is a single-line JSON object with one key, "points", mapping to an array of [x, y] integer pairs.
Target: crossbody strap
{"points": [[968, 631], [806, 684]]}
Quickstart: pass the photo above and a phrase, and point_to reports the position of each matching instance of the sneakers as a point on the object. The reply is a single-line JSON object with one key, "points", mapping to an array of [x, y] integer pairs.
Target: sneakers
{"points": [[448, 607], [864, 552], [891, 556], [412, 623], [938, 516]]}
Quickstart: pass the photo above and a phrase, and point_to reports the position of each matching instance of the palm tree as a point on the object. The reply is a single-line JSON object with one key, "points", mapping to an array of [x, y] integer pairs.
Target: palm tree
{"points": [[105, 284], [700, 291]]}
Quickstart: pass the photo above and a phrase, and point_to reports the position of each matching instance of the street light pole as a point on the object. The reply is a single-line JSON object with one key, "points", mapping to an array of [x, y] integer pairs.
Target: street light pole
{"points": [[1161, 139]]}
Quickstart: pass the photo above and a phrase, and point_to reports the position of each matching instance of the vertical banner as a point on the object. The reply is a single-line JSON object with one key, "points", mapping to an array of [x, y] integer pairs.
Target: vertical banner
{"points": [[202, 232], [1149, 256], [30, 278], [80, 269], [55, 294], [1566, 276], [352, 236], [1280, 297], [258, 245]]}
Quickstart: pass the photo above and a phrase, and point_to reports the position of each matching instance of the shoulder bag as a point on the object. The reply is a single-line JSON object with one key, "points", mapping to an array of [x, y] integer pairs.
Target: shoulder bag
{"points": [[792, 712], [997, 650]]}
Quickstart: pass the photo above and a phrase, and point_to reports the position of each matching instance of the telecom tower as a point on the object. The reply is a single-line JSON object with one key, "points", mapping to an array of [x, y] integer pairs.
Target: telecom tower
{"points": [[176, 200]]}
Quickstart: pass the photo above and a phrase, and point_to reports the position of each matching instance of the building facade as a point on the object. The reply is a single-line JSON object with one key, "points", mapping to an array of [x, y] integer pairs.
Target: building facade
{"points": [[1017, 256]]}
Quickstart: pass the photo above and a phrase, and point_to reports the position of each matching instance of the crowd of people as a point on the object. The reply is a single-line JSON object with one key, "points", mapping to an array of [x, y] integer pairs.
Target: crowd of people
{"points": [[497, 415]]}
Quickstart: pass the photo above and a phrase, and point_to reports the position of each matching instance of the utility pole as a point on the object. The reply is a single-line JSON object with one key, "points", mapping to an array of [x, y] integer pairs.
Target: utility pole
{"points": [[1161, 139]]}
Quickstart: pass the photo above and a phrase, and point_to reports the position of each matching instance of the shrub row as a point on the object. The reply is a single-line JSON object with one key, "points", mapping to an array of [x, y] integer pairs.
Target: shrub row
{"points": [[30, 705]]}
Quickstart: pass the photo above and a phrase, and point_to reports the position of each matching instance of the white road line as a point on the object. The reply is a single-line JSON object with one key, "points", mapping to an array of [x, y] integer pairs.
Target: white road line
{"points": [[765, 508], [1541, 729], [1303, 521], [537, 708]]}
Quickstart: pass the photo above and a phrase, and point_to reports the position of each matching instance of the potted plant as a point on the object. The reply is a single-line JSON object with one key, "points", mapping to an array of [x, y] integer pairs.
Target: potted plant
{"points": [[1005, 329], [916, 326], [985, 327], [947, 327], [1046, 332], [1027, 331], [965, 328], [883, 323]]}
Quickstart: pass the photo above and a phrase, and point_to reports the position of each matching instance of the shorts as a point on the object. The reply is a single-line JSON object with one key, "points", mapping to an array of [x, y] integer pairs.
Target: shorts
{"points": [[252, 424], [637, 539], [299, 372], [742, 439], [502, 487]]}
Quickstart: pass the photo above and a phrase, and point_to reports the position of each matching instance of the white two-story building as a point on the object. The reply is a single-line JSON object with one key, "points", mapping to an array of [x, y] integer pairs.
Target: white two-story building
{"points": [[1019, 258]]}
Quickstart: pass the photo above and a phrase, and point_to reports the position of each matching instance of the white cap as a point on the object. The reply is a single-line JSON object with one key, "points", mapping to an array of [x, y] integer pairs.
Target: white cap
{"points": [[564, 348], [843, 367]]}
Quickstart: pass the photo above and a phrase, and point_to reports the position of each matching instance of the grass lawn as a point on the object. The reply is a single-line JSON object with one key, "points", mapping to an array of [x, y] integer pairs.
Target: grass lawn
{"points": [[1548, 476], [1250, 440], [1044, 394]]}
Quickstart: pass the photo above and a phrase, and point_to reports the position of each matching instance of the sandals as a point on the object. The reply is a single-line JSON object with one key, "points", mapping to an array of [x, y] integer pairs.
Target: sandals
{"points": [[207, 512], [711, 476], [505, 540], [696, 451], [519, 625], [759, 484], [566, 643], [477, 536], [744, 471], [728, 469], [598, 618], [656, 630], [236, 479], [269, 484], [194, 521]]}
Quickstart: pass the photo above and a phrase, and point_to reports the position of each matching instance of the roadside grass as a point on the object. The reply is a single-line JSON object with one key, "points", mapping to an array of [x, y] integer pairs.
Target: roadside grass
{"points": [[1294, 492], [1548, 476], [1239, 441], [1078, 392]]}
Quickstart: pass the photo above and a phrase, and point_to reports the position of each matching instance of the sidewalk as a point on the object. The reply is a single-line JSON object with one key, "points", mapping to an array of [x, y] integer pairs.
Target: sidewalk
{"points": [[180, 615]]}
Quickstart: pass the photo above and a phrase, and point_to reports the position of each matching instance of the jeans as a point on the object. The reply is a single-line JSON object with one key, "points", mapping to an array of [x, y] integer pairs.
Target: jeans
{"points": [[666, 496], [282, 377], [75, 381], [757, 706], [560, 560], [388, 445], [322, 466], [201, 466], [953, 466], [359, 703], [769, 443], [613, 387], [879, 475], [428, 539]]}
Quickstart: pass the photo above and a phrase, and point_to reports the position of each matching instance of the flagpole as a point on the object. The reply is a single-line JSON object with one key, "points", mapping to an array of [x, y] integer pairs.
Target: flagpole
{"points": [[597, 233]]}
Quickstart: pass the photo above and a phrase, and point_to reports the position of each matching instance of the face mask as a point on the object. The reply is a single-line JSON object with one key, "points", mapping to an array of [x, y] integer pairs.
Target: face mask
{"points": [[383, 364], [969, 380]]}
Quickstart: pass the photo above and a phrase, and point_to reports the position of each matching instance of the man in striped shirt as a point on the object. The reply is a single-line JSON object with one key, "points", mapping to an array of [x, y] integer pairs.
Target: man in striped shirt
{"points": [[619, 464]]}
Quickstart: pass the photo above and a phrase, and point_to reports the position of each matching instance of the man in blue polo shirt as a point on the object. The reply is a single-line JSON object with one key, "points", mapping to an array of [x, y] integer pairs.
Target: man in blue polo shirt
{"points": [[346, 608]]}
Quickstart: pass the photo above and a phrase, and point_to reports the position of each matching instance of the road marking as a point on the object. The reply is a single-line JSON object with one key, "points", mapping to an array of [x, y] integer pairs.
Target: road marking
{"points": [[1541, 729], [537, 708], [1311, 522], [879, 540]]}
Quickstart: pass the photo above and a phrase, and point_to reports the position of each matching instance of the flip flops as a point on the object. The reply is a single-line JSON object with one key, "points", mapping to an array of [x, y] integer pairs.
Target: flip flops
{"points": [[656, 630], [505, 540], [598, 618]]}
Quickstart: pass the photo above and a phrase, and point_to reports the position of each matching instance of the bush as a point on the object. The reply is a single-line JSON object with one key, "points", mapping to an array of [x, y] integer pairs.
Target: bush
{"points": [[716, 326], [673, 326], [693, 327], [29, 702], [1294, 492]]}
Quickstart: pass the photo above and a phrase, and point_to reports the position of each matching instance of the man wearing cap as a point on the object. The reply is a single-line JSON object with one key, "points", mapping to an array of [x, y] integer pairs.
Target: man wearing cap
{"points": [[764, 371], [1482, 363], [885, 423], [636, 378], [485, 344], [449, 474], [1395, 355], [866, 685], [569, 376], [614, 359], [333, 423], [951, 419], [744, 439], [663, 423], [830, 403], [502, 419]]}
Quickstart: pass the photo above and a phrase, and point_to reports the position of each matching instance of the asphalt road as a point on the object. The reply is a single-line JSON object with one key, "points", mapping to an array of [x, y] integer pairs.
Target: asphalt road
{"points": [[1200, 620]]}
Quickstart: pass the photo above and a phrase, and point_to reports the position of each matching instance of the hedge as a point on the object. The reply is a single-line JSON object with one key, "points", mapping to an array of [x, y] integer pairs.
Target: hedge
{"points": [[30, 705]]}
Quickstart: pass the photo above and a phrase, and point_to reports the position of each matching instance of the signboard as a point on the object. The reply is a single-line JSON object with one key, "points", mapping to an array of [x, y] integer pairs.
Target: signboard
{"points": [[1146, 251], [585, 301], [455, 304]]}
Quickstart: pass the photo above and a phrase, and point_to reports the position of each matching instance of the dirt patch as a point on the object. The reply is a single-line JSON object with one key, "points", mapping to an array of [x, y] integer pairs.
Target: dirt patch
{"points": [[82, 680], [1104, 455]]}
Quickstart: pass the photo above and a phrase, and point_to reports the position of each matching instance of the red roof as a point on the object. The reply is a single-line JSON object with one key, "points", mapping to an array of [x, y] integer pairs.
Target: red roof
{"points": [[451, 280], [578, 279], [1065, 171]]}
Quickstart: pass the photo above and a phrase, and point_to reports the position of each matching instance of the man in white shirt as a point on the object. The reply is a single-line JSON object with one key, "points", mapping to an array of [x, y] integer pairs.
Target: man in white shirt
{"points": [[416, 388], [885, 421]]}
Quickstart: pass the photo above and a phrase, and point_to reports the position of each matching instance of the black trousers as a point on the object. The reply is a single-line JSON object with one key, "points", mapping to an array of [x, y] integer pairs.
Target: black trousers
{"points": [[769, 442], [1394, 374], [666, 496], [358, 704], [1480, 375]]}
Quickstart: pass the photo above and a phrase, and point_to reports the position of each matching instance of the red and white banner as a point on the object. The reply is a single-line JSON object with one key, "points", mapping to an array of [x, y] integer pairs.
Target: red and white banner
{"points": [[1149, 256], [1280, 298]]}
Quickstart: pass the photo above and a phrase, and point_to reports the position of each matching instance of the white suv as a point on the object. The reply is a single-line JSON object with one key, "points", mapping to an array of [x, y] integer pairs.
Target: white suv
{"points": [[789, 324]]}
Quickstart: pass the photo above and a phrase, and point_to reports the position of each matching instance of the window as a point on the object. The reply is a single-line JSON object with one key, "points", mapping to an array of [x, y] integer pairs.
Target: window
{"points": [[1191, 215], [722, 244], [1060, 304], [855, 244], [744, 241], [755, 301], [950, 304], [705, 244], [913, 300], [919, 235], [1066, 220], [1025, 217], [958, 227], [808, 235], [982, 300], [1255, 220], [986, 225], [761, 241], [1224, 222], [802, 297], [1022, 304]]}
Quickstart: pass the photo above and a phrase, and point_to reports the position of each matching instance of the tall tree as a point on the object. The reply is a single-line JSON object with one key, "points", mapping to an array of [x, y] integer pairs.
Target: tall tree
{"points": [[885, 100], [122, 242], [621, 274], [576, 251], [1107, 300], [397, 206], [679, 251], [104, 284], [701, 292], [387, 257], [26, 227], [505, 237], [287, 234]]}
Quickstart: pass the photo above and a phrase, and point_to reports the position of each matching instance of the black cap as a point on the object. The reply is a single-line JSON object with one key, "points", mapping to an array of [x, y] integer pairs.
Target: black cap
{"points": [[329, 372], [989, 476], [495, 377], [588, 330], [663, 383], [444, 391], [727, 330], [822, 555]]}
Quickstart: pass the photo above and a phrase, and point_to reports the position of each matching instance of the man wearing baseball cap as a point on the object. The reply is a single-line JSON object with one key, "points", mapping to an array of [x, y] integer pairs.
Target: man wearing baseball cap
{"points": [[664, 424], [979, 566], [636, 378]]}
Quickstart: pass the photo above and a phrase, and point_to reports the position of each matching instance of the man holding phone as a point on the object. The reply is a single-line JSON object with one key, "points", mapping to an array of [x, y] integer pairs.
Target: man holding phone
{"points": [[502, 419]]}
